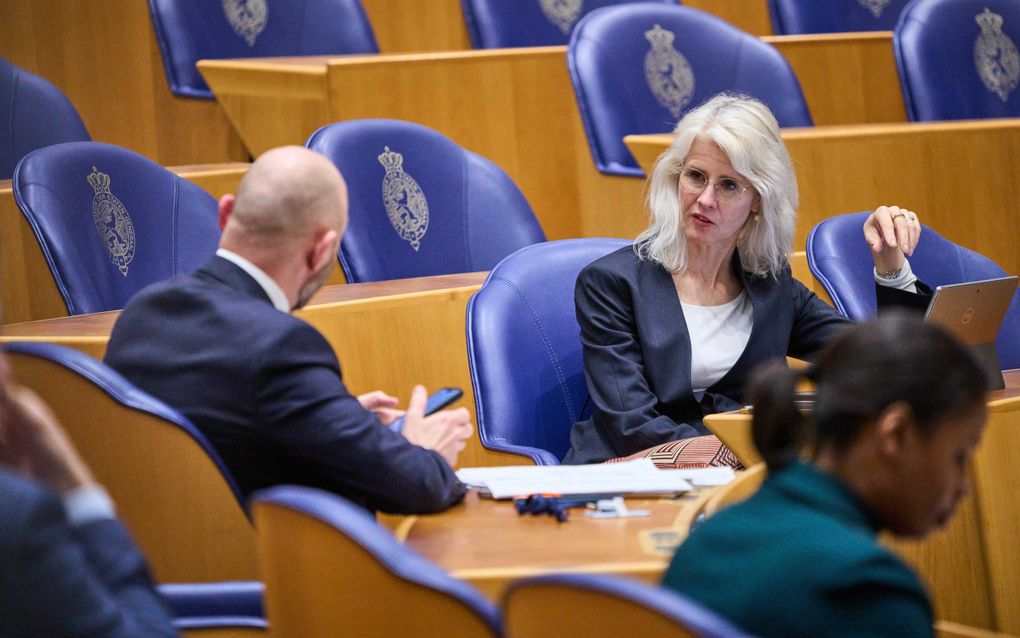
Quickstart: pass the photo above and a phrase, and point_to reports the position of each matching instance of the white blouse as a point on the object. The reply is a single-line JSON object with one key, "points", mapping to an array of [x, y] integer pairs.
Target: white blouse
{"points": [[718, 337]]}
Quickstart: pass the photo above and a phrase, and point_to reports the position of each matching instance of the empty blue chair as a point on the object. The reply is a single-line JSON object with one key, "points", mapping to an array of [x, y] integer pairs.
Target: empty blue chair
{"points": [[842, 263], [958, 59], [110, 222], [585, 605], [420, 204], [792, 17], [33, 114], [524, 349], [638, 68], [191, 30], [496, 24], [331, 570]]}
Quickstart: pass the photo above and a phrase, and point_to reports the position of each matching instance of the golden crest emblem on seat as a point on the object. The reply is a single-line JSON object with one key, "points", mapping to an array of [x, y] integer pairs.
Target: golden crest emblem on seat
{"points": [[247, 18], [406, 205], [876, 7], [112, 222], [667, 71], [996, 56], [562, 13]]}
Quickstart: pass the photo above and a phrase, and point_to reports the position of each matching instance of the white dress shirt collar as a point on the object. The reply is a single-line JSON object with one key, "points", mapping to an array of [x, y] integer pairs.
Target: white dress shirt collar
{"points": [[272, 289]]}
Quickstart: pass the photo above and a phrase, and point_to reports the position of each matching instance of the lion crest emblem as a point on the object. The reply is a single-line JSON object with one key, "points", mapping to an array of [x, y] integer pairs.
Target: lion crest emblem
{"points": [[113, 223], [667, 71], [406, 205]]}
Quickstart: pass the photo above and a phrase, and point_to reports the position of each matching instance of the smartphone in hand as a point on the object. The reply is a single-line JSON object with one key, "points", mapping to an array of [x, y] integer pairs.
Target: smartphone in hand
{"points": [[438, 400]]}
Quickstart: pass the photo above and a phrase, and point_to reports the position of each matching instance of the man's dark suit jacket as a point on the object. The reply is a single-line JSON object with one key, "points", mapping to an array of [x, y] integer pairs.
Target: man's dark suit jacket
{"points": [[62, 580], [265, 388], [637, 350]]}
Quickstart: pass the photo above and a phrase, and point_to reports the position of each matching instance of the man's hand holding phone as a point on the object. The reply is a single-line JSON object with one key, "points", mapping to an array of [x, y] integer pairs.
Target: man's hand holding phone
{"points": [[445, 432]]}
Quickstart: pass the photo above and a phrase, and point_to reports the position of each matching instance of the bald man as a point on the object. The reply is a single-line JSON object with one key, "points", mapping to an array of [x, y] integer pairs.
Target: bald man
{"points": [[264, 386]]}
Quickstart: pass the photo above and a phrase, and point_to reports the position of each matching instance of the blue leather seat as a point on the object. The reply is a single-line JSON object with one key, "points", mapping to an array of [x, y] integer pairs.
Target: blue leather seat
{"points": [[146, 223], [638, 68], [524, 349], [577, 605], [191, 30], [33, 114], [349, 576], [792, 17], [420, 204], [121, 464], [842, 263], [958, 59], [497, 24]]}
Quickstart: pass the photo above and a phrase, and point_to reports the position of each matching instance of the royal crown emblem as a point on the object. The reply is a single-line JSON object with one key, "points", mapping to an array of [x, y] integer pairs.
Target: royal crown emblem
{"points": [[876, 7], [995, 56], [562, 13], [248, 18], [112, 222], [406, 205], [668, 72]]}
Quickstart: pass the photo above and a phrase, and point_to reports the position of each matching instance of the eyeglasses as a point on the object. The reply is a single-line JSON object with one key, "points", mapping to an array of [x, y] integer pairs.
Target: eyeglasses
{"points": [[726, 189]]}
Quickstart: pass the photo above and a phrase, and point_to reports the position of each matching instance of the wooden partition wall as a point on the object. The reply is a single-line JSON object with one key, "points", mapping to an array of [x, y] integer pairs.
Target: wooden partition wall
{"points": [[103, 55]]}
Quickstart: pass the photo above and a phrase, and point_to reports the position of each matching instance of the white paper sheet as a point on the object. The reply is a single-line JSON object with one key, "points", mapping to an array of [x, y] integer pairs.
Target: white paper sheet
{"points": [[633, 477]]}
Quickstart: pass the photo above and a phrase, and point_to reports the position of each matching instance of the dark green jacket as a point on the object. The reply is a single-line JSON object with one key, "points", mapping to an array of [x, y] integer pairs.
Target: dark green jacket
{"points": [[800, 558]]}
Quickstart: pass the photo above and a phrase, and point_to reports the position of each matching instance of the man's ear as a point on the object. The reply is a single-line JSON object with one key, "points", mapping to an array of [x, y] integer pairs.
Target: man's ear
{"points": [[323, 250], [226, 209], [895, 426]]}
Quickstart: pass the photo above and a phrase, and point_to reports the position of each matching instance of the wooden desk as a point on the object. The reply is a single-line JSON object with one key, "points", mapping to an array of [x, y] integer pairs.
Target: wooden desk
{"points": [[970, 566], [27, 290], [963, 178], [486, 543], [517, 108]]}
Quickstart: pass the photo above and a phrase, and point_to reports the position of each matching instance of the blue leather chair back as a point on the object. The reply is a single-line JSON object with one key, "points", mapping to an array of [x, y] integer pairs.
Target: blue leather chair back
{"points": [[191, 30], [959, 59], [497, 24], [110, 222], [524, 349], [791, 17], [345, 549], [549, 607], [33, 114], [842, 263], [638, 68], [420, 204]]}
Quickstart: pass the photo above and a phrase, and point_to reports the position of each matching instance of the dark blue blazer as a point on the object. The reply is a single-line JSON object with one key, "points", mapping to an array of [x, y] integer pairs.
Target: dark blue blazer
{"points": [[637, 351], [62, 580], [266, 389]]}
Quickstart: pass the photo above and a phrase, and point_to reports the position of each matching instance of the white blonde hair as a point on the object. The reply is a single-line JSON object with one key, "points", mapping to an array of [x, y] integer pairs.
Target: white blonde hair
{"points": [[748, 134]]}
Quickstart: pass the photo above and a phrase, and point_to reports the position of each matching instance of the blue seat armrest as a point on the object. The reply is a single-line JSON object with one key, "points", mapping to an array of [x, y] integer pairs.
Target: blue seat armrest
{"points": [[209, 605]]}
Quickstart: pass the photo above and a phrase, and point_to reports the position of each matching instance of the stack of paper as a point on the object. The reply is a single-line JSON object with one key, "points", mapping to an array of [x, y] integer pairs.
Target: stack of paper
{"points": [[633, 477]]}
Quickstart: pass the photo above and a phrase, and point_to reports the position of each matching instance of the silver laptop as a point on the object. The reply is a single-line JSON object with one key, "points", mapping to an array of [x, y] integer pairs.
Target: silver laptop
{"points": [[974, 311]]}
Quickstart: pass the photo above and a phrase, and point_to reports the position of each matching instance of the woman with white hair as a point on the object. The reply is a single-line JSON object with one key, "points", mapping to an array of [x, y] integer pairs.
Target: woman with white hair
{"points": [[673, 326]]}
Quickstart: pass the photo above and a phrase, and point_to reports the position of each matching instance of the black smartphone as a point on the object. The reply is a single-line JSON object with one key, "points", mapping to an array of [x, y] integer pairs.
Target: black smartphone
{"points": [[436, 402]]}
